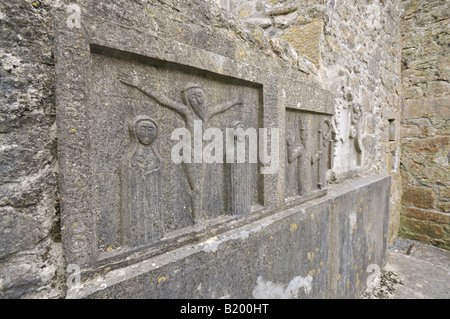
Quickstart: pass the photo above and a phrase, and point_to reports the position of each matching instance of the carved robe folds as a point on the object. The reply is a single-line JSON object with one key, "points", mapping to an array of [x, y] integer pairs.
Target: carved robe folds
{"points": [[141, 220]]}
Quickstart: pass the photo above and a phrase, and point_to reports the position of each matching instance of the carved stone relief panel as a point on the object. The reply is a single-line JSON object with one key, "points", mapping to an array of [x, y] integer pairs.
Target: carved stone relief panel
{"points": [[140, 182], [308, 154], [239, 174], [308, 142], [346, 130], [125, 109], [134, 168]]}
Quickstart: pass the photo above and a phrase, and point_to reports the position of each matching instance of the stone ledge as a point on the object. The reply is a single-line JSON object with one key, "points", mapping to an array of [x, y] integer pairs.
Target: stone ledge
{"points": [[320, 249]]}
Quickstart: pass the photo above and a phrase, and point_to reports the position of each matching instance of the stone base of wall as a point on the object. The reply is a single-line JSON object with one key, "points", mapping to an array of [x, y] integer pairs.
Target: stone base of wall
{"points": [[426, 226], [325, 248]]}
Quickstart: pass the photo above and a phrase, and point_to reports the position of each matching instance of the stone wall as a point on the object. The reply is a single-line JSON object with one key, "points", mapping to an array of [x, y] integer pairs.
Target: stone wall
{"points": [[30, 241], [349, 50], [353, 49], [425, 122], [318, 250]]}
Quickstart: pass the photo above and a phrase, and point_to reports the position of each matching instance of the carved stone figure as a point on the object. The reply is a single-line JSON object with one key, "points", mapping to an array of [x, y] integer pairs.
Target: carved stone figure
{"points": [[335, 121], [140, 174], [346, 135], [302, 154], [355, 130], [194, 107], [324, 152], [240, 195]]}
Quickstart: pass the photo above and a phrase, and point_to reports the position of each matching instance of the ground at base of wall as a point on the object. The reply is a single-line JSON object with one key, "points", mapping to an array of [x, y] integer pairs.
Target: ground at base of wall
{"points": [[413, 271]]}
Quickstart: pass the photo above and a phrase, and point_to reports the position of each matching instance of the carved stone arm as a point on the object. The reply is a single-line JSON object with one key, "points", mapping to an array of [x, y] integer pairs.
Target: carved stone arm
{"points": [[225, 106], [165, 101], [153, 94], [294, 153]]}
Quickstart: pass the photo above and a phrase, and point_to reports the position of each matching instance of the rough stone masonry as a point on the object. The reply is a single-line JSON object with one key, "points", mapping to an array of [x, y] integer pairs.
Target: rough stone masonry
{"points": [[92, 203], [425, 123]]}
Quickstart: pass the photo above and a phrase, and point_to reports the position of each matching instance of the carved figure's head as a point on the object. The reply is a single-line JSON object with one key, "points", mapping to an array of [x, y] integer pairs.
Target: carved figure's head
{"points": [[194, 96], [356, 113], [326, 131], [239, 129], [238, 125], [304, 132], [145, 129]]}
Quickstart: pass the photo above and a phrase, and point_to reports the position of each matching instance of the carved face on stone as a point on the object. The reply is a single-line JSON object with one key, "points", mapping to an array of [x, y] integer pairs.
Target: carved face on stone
{"points": [[326, 132], [146, 131], [239, 126], [239, 130], [195, 97], [356, 113], [338, 115], [304, 136]]}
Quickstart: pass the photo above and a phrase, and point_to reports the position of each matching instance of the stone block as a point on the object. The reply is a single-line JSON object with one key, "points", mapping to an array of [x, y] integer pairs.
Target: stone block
{"points": [[419, 197], [284, 256], [408, 131], [19, 278], [444, 192], [438, 88], [430, 107], [307, 39], [361, 234], [261, 22], [320, 249], [283, 21], [429, 146], [412, 92], [19, 230], [421, 228], [444, 207], [423, 214], [279, 7]]}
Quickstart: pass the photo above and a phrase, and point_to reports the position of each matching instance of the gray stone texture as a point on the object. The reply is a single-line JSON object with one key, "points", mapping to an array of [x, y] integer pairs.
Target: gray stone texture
{"points": [[413, 270], [298, 253], [64, 127], [425, 211], [353, 49], [30, 241]]}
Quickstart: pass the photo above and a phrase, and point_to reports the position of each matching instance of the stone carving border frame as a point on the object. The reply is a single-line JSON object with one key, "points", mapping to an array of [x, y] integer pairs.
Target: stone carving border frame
{"points": [[75, 118], [312, 101]]}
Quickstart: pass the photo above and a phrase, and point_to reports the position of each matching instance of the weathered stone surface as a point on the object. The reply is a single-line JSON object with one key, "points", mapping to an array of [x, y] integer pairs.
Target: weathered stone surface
{"points": [[420, 197], [279, 7], [445, 192], [425, 144], [410, 226], [297, 253], [408, 131], [418, 272], [351, 60], [307, 39], [19, 231], [444, 206], [28, 156], [438, 88], [430, 215], [421, 154], [367, 234], [430, 107]]}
